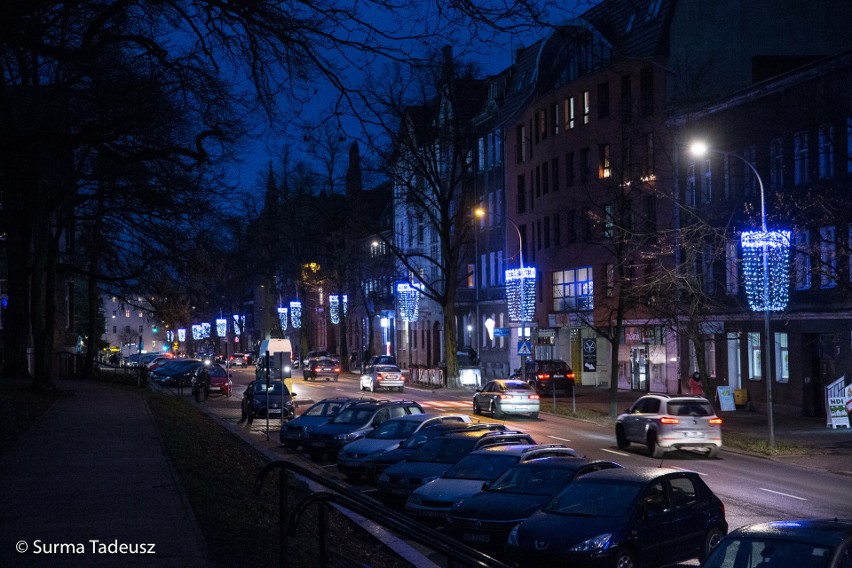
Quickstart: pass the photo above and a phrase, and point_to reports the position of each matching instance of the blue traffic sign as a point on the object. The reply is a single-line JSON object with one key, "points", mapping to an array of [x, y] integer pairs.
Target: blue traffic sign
{"points": [[524, 348]]}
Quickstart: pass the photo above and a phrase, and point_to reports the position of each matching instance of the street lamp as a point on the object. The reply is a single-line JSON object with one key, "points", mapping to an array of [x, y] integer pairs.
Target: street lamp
{"points": [[769, 242], [480, 212]]}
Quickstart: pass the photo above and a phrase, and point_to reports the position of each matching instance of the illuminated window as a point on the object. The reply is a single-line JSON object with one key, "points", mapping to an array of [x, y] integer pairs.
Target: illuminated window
{"points": [[755, 366], [604, 166], [573, 289], [587, 107], [782, 358], [826, 152]]}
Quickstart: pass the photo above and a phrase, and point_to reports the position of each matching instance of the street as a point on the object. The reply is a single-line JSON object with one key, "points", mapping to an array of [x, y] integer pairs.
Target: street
{"points": [[753, 489]]}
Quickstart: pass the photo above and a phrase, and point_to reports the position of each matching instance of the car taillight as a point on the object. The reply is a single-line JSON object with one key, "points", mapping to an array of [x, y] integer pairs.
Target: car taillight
{"points": [[534, 396], [669, 420], [716, 421], [337, 369], [570, 375], [543, 376], [378, 376]]}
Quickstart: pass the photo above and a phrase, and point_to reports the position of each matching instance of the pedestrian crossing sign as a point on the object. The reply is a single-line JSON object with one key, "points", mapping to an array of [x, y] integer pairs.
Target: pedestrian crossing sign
{"points": [[524, 348]]}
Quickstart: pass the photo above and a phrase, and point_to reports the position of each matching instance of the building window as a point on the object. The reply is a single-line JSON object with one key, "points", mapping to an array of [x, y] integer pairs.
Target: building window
{"points": [[141, 328], [115, 329], [782, 358], [649, 166], [573, 289], [569, 113], [689, 188], [827, 257], [626, 99], [554, 118], [546, 229], [585, 166], [522, 195], [604, 165], [826, 152], [803, 260], [569, 169], [127, 312], [800, 157], [608, 222], [776, 163], [570, 226], [557, 230], [480, 154], [587, 107], [646, 91], [732, 268], [554, 171], [471, 276], [603, 100], [520, 144], [543, 123], [755, 365], [545, 178], [706, 182]]}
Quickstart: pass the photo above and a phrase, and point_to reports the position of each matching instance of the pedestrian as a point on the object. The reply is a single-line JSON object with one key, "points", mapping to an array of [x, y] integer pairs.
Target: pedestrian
{"points": [[695, 386]]}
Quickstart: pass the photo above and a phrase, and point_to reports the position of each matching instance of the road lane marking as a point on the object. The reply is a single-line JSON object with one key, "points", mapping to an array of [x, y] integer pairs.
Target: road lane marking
{"points": [[686, 469], [560, 439], [782, 494], [614, 452]]}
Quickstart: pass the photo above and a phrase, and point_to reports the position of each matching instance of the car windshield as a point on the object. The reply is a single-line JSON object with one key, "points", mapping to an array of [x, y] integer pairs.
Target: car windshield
{"points": [[274, 388], [690, 408], [325, 409], [443, 451], [517, 386], [749, 552], [595, 498], [387, 368], [554, 367], [394, 430], [354, 416], [216, 371], [532, 480], [481, 466]]}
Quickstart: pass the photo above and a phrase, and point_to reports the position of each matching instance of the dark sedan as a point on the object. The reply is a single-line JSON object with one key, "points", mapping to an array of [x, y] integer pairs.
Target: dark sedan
{"points": [[485, 519], [623, 518], [270, 399], [322, 368], [295, 431], [179, 372], [804, 543]]}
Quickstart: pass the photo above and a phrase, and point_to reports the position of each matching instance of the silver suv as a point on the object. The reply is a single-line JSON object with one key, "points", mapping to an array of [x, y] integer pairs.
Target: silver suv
{"points": [[663, 423]]}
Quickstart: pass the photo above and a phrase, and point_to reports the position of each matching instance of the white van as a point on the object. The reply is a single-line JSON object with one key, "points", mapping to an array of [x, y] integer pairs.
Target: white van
{"points": [[280, 359]]}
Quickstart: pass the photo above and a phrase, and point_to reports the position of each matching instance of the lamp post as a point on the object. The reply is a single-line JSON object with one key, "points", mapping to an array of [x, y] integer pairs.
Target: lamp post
{"points": [[766, 239], [480, 212]]}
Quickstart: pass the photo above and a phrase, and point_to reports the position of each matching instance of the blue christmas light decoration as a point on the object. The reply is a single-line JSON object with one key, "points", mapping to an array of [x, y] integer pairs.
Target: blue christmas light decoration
{"points": [[197, 332], [776, 288], [205, 330], [296, 314], [520, 293], [221, 327], [181, 334], [282, 318], [408, 298], [239, 322]]}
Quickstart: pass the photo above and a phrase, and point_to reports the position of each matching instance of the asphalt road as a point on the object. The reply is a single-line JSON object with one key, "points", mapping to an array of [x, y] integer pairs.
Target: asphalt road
{"points": [[754, 489]]}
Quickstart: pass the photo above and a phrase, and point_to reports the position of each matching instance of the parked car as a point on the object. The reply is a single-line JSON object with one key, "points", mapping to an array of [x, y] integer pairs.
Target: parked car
{"points": [[382, 360], [380, 461], [220, 379], [175, 373], [353, 457], [622, 518], [663, 423], [157, 361], [238, 360], [398, 481], [321, 368], [484, 519], [826, 543], [354, 422], [294, 431], [432, 501], [383, 377], [546, 374], [506, 396], [260, 399]]}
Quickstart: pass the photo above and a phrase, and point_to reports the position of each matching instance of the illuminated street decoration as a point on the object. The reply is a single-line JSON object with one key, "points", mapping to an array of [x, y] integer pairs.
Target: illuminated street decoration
{"points": [[296, 314], [520, 293], [239, 322], [408, 297], [772, 293], [282, 318], [334, 307], [205, 330], [197, 332], [221, 327], [181, 334]]}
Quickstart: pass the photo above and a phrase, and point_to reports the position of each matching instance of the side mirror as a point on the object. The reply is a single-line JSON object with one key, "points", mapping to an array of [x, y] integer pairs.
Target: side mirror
{"points": [[478, 390], [293, 395]]}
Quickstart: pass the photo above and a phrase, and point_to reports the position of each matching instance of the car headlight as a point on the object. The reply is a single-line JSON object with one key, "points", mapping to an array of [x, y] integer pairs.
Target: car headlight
{"points": [[594, 544], [429, 479], [513, 537], [349, 436]]}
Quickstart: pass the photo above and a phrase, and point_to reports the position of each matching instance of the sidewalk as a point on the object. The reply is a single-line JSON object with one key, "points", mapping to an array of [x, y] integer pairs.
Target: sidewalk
{"points": [[94, 469]]}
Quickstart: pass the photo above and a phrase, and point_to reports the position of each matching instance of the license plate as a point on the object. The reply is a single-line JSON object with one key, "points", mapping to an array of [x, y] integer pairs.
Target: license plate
{"points": [[468, 537], [694, 434], [215, 389]]}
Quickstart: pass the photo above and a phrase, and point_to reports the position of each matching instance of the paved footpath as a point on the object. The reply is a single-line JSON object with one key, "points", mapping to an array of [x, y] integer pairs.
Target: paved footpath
{"points": [[90, 477]]}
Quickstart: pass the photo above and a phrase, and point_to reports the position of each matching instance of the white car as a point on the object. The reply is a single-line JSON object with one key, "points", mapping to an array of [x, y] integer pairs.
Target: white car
{"points": [[433, 500], [383, 377], [353, 457]]}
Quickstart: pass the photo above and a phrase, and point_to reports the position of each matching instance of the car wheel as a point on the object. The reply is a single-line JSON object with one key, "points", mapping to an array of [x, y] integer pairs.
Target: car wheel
{"points": [[711, 539], [401, 389], [713, 452], [327, 379], [653, 448], [620, 438], [335, 378], [625, 559], [476, 409], [494, 410], [533, 414]]}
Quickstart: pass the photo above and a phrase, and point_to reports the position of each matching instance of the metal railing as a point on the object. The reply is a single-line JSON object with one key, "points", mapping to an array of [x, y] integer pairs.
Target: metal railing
{"points": [[452, 553], [433, 377]]}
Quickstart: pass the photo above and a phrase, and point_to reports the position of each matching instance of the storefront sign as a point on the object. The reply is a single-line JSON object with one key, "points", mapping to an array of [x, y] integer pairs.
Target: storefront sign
{"points": [[590, 355], [837, 412], [726, 398]]}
